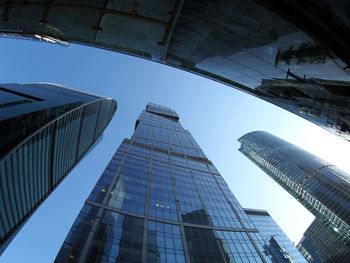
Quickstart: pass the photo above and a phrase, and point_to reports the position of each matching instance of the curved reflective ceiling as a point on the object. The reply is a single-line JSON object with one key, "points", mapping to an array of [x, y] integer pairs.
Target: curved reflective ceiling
{"points": [[294, 55]]}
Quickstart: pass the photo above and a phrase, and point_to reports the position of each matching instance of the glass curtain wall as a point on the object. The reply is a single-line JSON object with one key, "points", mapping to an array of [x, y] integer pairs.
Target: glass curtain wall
{"points": [[161, 200]]}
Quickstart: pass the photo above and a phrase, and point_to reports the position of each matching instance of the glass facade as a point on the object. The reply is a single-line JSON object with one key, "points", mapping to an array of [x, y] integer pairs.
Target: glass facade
{"points": [[41, 142], [161, 200], [239, 43], [320, 186], [275, 239], [320, 243], [323, 102]]}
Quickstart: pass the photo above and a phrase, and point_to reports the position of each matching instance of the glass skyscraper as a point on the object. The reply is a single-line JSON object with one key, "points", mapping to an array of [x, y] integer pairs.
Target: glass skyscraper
{"points": [[320, 243], [320, 186], [161, 200], [275, 239], [46, 130], [238, 43]]}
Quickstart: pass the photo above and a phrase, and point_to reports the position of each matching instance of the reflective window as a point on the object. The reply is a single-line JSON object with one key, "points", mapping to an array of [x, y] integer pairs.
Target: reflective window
{"points": [[220, 211], [117, 238], [202, 246], [162, 199], [164, 243], [238, 246], [275, 239], [191, 206], [129, 192]]}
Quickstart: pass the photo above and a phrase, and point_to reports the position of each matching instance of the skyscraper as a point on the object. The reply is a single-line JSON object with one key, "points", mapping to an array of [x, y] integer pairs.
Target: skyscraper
{"points": [[161, 200], [238, 43], [275, 239], [320, 243], [318, 185], [45, 130]]}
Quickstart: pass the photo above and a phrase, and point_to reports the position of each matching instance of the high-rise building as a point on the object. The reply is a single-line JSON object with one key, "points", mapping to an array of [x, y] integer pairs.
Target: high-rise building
{"points": [[318, 185], [320, 243], [238, 43], [161, 200], [45, 130], [275, 239]]}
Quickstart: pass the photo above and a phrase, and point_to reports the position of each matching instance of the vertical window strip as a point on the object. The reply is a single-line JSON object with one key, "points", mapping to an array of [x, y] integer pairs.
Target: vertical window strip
{"points": [[4, 215], [11, 189]]}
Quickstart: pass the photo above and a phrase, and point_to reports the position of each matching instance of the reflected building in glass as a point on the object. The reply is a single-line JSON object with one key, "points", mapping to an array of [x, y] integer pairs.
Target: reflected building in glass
{"points": [[323, 102], [321, 244], [45, 130], [238, 43], [275, 239], [318, 185], [161, 200]]}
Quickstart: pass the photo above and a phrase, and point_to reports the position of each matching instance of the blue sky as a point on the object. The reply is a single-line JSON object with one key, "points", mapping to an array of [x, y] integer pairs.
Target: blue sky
{"points": [[215, 114]]}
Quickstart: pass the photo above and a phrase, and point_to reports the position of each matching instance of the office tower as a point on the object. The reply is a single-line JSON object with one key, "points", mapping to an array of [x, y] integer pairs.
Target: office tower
{"points": [[318, 185], [275, 239], [45, 130], [161, 200], [321, 244], [238, 43]]}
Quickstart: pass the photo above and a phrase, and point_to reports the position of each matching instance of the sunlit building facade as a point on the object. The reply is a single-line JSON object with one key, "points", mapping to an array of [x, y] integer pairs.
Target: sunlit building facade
{"points": [[318, 185], [161, 200], [275, 239], [320, 243], [46, 129], [238, 43]]}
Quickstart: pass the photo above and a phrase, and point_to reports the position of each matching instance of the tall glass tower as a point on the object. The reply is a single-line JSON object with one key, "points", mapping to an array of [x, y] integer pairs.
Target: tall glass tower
{"points": [[320, 186], [321, 244], [161, 200], [278, 243], [46, 130]]}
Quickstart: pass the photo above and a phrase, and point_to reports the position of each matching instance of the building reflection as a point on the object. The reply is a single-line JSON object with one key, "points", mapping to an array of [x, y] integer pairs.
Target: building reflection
{"points": [[278, 251], [112, 238], [238, 43], [275, 241], [323, 102], [196, 217], [204, 247], [153, 253]]}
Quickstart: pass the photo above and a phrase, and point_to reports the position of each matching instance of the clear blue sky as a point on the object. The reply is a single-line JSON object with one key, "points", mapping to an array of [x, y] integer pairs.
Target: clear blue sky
{"points": [[215, 114]]}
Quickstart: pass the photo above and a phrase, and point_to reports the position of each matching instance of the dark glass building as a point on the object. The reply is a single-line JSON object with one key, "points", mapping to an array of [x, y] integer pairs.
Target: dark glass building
{"points": [[320, 243], [45, 130], [238, 43], [318, 185], [323, 102], [161, 200], [275, 239]]}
